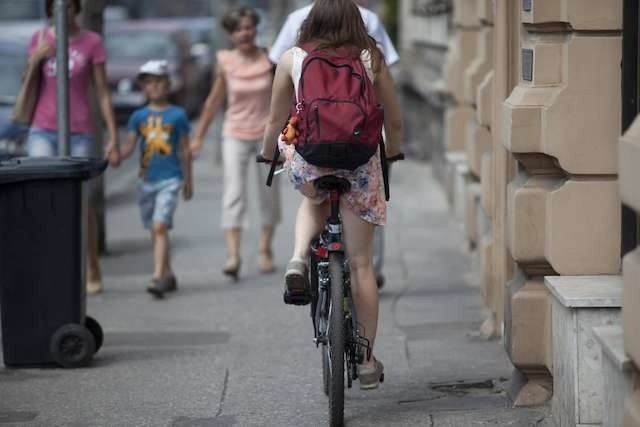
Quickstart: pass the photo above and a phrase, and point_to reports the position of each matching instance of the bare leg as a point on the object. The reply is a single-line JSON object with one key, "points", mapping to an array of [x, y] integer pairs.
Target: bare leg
{"points": [[358, 237], [266, 256], [94, 277], [378, 251], [161, 268], [232, 265], [168, 271], [309, 222]]}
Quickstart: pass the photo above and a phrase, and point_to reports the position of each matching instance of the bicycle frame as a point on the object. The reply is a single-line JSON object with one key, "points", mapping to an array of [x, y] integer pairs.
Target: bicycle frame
{"points": [[328, 264], [330, 240]]}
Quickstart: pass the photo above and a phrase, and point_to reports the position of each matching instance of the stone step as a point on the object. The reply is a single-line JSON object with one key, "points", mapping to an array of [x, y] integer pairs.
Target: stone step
{"points": [[617, 374], [632, 410], [580, 303]]}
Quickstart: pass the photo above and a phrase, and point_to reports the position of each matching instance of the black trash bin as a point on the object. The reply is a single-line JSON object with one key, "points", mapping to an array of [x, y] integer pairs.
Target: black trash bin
{"points": [[43, 206]]}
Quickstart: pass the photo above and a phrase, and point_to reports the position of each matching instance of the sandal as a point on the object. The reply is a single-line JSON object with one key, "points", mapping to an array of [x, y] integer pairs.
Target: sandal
{"points": [[265, 260], [94, 287], [370, 378], [232, 267]]}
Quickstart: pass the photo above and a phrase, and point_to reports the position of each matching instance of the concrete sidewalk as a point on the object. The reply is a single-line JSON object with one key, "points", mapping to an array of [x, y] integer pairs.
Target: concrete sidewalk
{"points": [[219, 353]]}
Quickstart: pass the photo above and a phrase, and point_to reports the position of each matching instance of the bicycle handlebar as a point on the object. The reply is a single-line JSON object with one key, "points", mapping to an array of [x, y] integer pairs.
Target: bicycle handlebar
{"points": [[261, 159], [397, 157], [385, 162]]}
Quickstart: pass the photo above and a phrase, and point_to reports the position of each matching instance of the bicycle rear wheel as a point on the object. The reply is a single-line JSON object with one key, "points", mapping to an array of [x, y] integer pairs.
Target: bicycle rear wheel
{"points": [[336, 340]]}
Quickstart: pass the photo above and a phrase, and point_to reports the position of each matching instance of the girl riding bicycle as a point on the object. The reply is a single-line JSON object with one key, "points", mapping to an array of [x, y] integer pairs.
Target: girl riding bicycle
{"points": [[334, 26]]}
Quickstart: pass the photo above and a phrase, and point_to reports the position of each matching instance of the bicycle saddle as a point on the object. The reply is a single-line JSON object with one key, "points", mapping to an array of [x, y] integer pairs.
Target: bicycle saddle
{"points": [[332, 182]]}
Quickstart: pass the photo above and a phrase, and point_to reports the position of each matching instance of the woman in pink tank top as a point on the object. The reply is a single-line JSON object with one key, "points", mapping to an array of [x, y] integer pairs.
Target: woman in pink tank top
{"points": [[243, 76]]}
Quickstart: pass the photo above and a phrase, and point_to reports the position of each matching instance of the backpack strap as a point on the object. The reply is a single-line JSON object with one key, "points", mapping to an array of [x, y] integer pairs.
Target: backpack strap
{"points": [[309, 47], [313, 47]]}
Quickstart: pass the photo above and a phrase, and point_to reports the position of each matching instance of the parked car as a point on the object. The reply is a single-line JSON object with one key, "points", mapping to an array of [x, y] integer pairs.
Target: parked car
{"points": [[131, 43], [14, 38]]}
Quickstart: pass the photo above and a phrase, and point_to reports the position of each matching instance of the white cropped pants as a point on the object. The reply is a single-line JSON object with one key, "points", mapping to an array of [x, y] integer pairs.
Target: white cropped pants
{"points": [[237, 155]]}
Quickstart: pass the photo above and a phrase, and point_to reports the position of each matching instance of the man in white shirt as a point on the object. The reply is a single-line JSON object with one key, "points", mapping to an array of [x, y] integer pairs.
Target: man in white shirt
{"points": [[287, 39], [289, 33]]}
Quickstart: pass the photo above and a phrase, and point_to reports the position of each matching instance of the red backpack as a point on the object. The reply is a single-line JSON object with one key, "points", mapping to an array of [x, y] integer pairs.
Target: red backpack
{"points": [[339, 118]]}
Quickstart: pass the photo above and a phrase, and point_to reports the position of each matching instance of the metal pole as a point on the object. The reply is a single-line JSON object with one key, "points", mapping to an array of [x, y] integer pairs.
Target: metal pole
{"points": [[62, 75]]}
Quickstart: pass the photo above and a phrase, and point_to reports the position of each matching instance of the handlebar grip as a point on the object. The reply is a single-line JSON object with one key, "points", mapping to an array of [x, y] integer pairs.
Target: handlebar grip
{"points": [[272, 169]]}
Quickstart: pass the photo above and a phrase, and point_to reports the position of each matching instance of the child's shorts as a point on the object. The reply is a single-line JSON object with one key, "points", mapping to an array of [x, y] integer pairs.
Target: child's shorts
{"points": [[158, 201]]}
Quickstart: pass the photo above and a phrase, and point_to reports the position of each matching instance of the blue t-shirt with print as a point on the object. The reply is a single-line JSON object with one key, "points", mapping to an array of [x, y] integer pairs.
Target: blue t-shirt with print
{"points": [[159, 132]]}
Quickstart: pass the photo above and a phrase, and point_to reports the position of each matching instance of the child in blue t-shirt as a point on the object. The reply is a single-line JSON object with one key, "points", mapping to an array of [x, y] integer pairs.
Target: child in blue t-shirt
{"points": [[165, 166]]}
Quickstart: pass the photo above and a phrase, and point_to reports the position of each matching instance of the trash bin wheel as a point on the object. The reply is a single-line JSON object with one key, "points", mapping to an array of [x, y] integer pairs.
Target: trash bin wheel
{"points": [[96, 330], [72, 346]]}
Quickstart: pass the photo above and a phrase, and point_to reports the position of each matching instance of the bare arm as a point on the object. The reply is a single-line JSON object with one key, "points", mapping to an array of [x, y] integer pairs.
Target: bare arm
{"points": [[211, 107], [185, 158], [386, 91], [112, 151], [281, 98], [126, 149], [41, 51]]}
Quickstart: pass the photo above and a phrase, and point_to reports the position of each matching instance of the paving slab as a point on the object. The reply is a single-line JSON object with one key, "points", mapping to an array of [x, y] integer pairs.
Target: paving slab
{"points": [[222, 353]]}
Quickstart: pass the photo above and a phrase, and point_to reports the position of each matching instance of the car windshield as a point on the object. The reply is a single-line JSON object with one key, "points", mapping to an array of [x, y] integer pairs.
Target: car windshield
{"points": [[139, 45], [12, 67]]}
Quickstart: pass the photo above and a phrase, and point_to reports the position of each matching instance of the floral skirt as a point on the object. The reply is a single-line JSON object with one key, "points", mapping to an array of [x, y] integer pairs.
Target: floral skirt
{"points": [[366, 197]]}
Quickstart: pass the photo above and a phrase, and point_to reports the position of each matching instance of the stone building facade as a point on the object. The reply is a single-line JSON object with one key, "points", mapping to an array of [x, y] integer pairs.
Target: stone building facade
{"points": [[532, 159]]}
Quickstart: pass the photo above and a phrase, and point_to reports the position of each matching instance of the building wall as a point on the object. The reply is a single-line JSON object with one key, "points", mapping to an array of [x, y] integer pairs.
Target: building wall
{"points": [[629, 157], [423, 34], [563, 209], [531, 139]]}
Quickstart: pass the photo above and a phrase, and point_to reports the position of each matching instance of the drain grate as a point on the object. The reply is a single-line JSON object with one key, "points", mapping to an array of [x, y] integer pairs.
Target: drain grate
{"points": [[462, 385], [456, 403], [458, 395]]}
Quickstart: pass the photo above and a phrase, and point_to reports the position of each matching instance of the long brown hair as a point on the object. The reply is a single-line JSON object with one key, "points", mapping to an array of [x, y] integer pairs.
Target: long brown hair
{"points": [[334, 24]]}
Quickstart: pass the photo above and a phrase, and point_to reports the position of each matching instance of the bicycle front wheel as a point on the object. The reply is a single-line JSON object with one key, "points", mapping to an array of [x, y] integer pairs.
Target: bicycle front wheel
{"points": [[325, 369], [336, 340]]}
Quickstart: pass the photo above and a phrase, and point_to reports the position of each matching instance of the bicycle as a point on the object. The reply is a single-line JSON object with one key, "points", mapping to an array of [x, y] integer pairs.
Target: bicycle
{"points": [[332, 308]]}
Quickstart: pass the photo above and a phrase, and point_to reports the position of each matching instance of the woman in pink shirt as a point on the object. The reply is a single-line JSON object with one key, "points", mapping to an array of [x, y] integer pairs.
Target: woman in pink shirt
{"points": [[86, 64], [244, 75]]}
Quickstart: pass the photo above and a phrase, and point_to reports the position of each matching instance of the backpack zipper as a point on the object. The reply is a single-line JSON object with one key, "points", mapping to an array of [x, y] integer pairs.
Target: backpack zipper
{"points": [[317, 114], [356, 132]]}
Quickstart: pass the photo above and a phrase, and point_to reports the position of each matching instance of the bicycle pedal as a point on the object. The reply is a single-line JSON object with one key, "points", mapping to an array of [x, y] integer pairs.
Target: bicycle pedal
{"points": [[295, 298], [382, 377]]}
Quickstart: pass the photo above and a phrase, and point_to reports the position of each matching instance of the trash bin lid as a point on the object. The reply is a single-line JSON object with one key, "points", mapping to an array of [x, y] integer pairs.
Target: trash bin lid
{"points": [[41, 168]]}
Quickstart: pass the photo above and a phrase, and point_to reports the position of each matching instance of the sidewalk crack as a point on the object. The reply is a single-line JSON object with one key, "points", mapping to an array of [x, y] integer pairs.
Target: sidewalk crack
{"points": [[394, 306], [223, 395]]}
